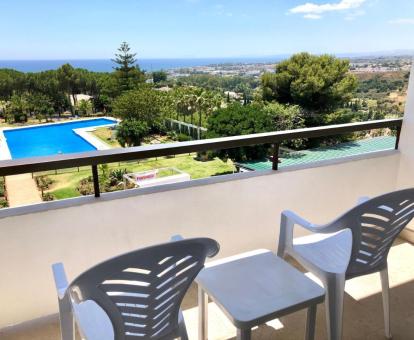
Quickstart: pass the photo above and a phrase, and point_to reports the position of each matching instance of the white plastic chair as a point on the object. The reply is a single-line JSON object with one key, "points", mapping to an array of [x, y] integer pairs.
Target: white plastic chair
{"points": [[133, 296], [355, 244]]}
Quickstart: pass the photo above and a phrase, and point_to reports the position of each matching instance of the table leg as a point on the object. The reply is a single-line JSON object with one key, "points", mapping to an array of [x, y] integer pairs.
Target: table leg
{"points": [[310, 323], [244, 334], [202, 314]]}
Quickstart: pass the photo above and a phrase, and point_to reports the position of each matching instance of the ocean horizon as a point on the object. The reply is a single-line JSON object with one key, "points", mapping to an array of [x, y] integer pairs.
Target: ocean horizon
{"points": [[150, 65], [157, 64]]}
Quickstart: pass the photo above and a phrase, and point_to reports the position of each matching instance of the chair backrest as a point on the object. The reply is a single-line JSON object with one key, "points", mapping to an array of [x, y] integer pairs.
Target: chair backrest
{"points": [[375, 224], [141, 291]]}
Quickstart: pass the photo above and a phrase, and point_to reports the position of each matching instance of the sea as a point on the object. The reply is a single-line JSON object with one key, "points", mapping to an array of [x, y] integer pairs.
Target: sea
{"points": [[106, 65]]}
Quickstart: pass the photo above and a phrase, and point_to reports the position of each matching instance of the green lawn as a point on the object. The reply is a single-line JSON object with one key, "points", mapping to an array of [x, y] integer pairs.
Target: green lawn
{"points": [[105, 134], [65, 184]]}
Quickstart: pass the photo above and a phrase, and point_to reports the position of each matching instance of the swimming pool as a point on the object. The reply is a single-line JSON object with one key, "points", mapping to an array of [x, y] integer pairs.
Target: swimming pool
{"points": [[51, 139]]}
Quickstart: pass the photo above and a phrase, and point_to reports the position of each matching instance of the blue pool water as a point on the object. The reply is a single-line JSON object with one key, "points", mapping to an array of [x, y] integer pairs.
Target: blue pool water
{"points": [[51, 139]]}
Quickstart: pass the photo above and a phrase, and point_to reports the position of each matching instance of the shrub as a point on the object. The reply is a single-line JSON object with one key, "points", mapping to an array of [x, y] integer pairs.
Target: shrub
{"points": [[85, 186], [44, 182], [48, 197], [172, 135], [206, 156], [131, 132], [3, 203], [116, 176], [181, 137]]}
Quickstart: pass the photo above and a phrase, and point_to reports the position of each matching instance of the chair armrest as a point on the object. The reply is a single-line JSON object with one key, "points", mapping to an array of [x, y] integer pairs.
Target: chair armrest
{"points": [[293, 218], [61, 281], [363, 199], [287, 223], [288, 220], [176, 238]]}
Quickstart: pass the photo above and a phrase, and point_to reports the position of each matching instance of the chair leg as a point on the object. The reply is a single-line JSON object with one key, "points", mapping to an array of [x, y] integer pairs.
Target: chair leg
{"points": [[386, 301], [67, 322], [334, 305], [310, 323], [202, 314], [182, 327], [244, 334]]}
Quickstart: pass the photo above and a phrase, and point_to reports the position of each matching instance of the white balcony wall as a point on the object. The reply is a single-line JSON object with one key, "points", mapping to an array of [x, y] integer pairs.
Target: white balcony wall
{"points": [[241, 214], [406, 148]]}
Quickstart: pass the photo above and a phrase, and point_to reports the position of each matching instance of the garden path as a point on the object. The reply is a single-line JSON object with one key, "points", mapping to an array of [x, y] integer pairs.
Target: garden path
{"points": [[22, 190]]}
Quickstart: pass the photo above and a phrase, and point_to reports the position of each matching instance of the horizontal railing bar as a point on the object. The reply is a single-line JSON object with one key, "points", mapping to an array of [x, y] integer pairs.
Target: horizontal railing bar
{"points": [[28, 165]]}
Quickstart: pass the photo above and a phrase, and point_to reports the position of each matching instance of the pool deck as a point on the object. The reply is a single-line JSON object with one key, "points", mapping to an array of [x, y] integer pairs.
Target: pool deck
{"points": [[4, 148], [86, 134]]}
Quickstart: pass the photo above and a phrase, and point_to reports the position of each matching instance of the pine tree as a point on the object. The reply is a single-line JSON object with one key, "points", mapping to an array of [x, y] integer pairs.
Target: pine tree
{"points": [[127, 71]]}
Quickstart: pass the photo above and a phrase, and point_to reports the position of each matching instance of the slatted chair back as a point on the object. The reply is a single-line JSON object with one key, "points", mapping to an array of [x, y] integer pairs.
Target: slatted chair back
{"points": [[375, 224], [141, 291]]}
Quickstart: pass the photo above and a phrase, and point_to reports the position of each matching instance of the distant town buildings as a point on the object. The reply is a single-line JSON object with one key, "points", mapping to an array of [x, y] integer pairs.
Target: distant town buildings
{"points": [[253, 70], [358, 65]]}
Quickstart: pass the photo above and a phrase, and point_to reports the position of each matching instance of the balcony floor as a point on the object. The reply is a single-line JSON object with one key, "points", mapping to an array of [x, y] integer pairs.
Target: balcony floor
{"points": [[363, 318]]}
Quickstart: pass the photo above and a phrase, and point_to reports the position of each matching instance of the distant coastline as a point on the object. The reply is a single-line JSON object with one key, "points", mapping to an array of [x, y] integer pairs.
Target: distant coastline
{"points": [[157, 64], [106, 65]]}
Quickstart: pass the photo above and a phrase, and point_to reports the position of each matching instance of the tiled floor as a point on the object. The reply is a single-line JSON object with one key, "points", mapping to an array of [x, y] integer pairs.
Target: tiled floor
{"points": [[363, 318]]}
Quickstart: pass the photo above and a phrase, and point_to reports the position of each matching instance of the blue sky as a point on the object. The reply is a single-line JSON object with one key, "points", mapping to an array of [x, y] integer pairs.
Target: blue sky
{"points": [[70, 29]]}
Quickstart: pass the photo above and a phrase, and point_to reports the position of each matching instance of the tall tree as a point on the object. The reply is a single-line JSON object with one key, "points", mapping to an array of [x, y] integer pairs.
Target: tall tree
{"points": [[128, 73], [40, 105], [159, 76], [131, 132], [191, 101], [17, 109], [84, 107], [319, 84], [11, 82], [207, 103], [107, 91], [143, 104], [67, 78], [235, 120]]}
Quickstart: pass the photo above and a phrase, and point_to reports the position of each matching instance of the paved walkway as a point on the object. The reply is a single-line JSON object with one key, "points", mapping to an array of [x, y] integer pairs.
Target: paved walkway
{"points": [[22, 190]]}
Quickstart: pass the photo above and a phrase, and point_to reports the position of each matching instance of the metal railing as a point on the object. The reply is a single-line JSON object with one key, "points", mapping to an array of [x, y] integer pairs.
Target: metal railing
{"points": [[95, 158]]}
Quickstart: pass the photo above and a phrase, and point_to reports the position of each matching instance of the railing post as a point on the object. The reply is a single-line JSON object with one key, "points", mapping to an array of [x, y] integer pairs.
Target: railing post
{"points": [[275, 164], [95, 177], [397, 141]]}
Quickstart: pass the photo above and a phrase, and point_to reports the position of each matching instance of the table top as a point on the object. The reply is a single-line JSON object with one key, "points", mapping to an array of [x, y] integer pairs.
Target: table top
{"points": [[253, 288]]}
